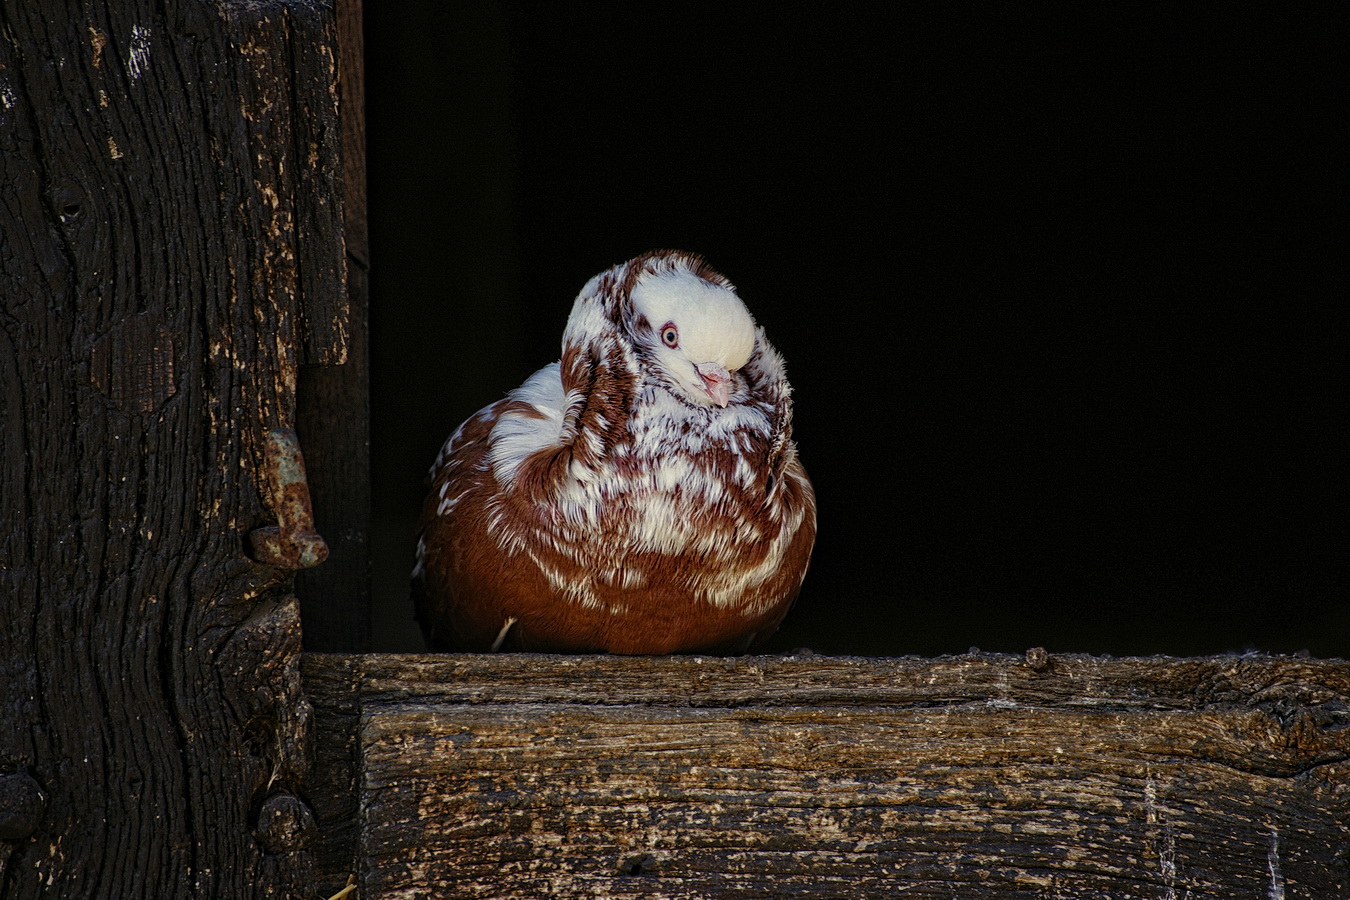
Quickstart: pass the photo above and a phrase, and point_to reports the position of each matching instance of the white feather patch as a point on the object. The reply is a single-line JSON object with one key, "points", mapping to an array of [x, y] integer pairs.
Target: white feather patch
{"points": [[516, 435]]}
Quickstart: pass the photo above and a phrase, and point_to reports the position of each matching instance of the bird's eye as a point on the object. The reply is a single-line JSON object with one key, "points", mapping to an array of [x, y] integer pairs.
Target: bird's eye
{"points": [[670, 335]]}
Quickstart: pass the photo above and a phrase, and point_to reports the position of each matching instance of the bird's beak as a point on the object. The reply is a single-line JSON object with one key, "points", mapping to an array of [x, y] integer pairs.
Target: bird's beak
{"points": [[716, 381]]}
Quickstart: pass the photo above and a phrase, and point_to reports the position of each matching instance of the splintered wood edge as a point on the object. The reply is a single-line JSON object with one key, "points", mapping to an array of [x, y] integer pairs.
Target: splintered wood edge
{"points": [[1070, 679]]}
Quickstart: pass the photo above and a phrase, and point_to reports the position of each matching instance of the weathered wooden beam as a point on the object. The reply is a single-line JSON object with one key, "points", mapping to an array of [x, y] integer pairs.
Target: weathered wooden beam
{"points": [[972, 776]]}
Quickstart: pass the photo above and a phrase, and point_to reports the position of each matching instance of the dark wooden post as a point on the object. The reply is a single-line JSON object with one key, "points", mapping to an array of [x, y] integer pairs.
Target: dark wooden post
{"points": [[170, 255], [333, 401]]}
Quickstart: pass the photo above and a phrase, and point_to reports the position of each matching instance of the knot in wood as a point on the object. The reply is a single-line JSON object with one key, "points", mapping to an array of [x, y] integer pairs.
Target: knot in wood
{"points": [[22, 804], [1038, 659], [68, 202], [285, 824]]}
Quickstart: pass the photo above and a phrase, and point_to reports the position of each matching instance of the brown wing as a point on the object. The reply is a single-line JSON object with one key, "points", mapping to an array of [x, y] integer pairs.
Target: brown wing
{"points": [[458, 484]]}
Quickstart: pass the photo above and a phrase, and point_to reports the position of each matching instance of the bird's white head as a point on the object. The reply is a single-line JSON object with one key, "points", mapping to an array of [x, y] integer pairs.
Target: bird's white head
{"points": [[698, 330], [678, 318]]}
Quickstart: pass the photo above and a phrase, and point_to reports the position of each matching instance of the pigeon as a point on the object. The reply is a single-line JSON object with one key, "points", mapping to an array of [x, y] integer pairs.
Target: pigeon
{"points": [[642, 495]]}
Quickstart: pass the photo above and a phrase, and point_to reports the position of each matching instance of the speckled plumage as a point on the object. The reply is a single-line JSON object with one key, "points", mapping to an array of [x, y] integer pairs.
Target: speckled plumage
{"points": [[641, 495]]}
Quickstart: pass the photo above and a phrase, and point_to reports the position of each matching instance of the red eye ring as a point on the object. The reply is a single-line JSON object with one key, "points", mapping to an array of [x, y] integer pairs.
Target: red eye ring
{"points": [[670, 335]]}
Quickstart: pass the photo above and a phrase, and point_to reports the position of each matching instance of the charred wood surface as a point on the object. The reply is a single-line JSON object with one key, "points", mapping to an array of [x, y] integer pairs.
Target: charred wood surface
{"points": [[170, 254], [972, 776], [333, 401]]}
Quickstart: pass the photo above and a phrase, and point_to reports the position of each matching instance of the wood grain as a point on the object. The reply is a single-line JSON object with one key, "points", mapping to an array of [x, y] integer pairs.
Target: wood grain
{"points": [[973, 776], [333, 400], [170, 239]]}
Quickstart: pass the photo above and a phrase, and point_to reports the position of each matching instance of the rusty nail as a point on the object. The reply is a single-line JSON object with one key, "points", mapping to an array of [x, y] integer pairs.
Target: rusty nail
{"points": [[1038, 659], [22, 803], [285, 823], [292, 543]]}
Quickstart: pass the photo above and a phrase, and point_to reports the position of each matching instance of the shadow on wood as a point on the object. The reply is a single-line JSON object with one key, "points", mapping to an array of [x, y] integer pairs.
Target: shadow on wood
{"points": [[984, 775]]}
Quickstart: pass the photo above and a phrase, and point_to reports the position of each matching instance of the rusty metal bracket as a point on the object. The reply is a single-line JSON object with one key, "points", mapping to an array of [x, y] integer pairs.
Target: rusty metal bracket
{"points": [[292, 543]]}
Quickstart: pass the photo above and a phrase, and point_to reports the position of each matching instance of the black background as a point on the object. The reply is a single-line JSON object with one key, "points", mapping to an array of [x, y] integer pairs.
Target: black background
{"points": [[1051, 291]]}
